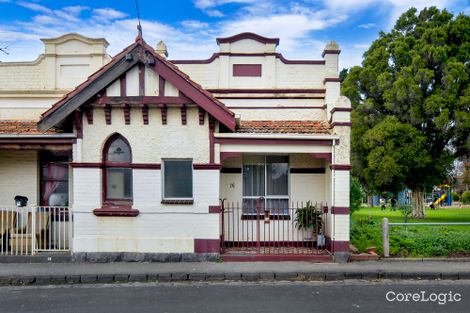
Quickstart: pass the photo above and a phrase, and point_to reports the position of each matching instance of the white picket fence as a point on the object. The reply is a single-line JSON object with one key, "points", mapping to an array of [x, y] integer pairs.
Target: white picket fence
{"points": [[29, 230]]}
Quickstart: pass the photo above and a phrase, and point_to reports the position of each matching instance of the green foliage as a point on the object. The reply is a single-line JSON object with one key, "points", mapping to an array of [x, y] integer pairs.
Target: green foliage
{"points": [[411, 102], [356, 194], [455, 196], [309, 217], [405, 211], [466, 197]]}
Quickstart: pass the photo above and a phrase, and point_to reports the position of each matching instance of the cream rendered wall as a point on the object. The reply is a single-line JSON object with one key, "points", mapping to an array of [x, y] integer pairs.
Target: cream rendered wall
{"points": [[204, 74], [19, 172], [159, 227], [149, 143], [283, 114]]}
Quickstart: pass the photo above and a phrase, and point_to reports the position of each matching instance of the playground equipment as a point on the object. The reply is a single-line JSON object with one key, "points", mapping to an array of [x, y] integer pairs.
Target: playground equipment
{"points": [[442, 195]]}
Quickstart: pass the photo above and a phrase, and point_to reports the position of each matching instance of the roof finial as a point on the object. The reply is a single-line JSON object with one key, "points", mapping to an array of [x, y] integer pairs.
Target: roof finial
{"points": [[161, 49], [139, 26]]}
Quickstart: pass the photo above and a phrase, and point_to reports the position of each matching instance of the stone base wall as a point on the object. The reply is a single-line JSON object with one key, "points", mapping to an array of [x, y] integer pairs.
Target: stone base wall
{"points": [[105, 257]]}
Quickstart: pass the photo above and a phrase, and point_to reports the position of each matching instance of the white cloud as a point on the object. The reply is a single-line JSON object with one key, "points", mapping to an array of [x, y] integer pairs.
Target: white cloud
{"points": [[367, 26], [214, 13], [108, 14], [204, 4], [35, 7], [194, 24]]}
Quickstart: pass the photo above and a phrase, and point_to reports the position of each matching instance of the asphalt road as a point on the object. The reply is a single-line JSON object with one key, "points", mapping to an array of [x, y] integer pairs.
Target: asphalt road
{"points": [[350, 296]]}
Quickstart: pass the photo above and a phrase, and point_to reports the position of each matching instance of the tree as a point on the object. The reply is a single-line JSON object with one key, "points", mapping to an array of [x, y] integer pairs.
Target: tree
{"points": [[411, 103], [356, 195]]}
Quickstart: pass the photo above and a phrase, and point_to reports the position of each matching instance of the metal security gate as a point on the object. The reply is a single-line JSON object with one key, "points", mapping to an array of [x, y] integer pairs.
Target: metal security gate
{"points": [[270, 233], [29, 230]]}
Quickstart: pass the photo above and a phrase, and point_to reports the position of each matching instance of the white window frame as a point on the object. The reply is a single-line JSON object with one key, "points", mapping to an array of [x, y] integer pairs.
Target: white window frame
{"points": [[163, 179]]}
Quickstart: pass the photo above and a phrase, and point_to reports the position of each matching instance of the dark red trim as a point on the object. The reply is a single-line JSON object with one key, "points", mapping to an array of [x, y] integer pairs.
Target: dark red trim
{"points": [[276, 108], [78, 123], [127, 114], [340, 210], [145, 114], [227, 155], [206, 245], [339, 246], [106, 164], [107, 114], [202, 115], [141, 79], [341, 167], [199, 96], [116, 210], [178, 202], [334, 124], [247, 141], [265, 54], [211, 166], [320, 258], [340, 110], [248, 35], [86, 165], [322, 155], [122, 85], [183, 115], [150, 166], [330, 52], [246, 70], [89, 114], [164, 112], [214, 208], [145, 166], [161, 86], [255, 91], [272, 97], [139, 100], [211, 139], [39, 141], [332, 80]]}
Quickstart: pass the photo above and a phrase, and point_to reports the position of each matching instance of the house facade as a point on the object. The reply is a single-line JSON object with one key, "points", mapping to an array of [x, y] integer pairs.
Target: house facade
{"points": [[180, 159]]}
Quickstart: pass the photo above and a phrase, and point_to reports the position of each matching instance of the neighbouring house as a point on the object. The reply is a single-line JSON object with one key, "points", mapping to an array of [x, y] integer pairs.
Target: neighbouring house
{"points": [[245, 155]]}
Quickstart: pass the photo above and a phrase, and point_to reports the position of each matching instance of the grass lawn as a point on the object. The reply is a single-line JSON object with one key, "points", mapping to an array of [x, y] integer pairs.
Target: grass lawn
{"points": [[414, 241]]}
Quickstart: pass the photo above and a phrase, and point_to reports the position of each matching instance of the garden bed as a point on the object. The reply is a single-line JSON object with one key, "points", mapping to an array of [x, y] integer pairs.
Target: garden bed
{"points": [[413, 241]]}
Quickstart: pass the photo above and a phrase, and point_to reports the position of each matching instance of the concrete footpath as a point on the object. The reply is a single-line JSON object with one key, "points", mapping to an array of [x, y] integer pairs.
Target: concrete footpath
{"points": [[72, 273]]}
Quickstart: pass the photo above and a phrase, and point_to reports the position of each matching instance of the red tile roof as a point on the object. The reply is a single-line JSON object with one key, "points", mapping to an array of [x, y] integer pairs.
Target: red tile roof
{"points": [[287, 127], [11, 127]]}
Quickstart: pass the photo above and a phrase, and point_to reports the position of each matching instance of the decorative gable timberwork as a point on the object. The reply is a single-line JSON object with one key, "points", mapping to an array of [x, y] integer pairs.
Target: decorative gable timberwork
{"points": [[136, 77]]}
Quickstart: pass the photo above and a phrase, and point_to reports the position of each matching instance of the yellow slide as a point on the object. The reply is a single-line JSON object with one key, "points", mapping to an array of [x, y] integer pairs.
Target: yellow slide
{"points": [[440, 199]]}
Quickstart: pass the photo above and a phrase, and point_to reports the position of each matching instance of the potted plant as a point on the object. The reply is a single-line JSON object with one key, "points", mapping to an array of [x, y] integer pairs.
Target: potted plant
{"points": [[310, 219]]}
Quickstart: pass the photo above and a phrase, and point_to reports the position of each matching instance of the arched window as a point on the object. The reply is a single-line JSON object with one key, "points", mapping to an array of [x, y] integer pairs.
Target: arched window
{"points": [[117, 172]]}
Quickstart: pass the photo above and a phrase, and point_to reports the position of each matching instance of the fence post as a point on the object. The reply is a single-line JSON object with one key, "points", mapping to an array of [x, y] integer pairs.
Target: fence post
{"points": [[385, 237]]}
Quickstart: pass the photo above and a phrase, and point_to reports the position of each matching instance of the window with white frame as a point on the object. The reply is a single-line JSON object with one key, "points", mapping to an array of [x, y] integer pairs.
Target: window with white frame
{"points": [[265, 183], [177, 179]]}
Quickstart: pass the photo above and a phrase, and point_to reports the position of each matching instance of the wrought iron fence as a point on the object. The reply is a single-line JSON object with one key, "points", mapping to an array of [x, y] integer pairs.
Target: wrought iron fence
{"points": [[297, 229]]}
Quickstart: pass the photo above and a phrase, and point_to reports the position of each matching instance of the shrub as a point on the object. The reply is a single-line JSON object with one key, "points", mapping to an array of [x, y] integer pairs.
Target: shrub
{"points": [[455, 196], [355, 194], [466, 197]]}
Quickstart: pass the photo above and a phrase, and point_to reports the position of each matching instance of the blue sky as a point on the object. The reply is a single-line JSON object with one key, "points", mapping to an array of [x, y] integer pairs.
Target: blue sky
{"points": [[189, 27]]}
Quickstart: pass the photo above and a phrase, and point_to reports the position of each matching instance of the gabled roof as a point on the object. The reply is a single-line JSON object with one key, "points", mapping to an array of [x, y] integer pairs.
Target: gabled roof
{"points": [[138, 52], [284, 127], [23, 127]]}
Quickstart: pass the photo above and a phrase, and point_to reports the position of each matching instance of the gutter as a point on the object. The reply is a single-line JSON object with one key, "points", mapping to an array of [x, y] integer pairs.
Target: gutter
{"points": [[276, 136], [25, 136]]}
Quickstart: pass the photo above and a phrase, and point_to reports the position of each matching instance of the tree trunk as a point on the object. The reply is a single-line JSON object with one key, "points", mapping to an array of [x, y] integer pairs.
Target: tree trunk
{"points": [[417, 201]]}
